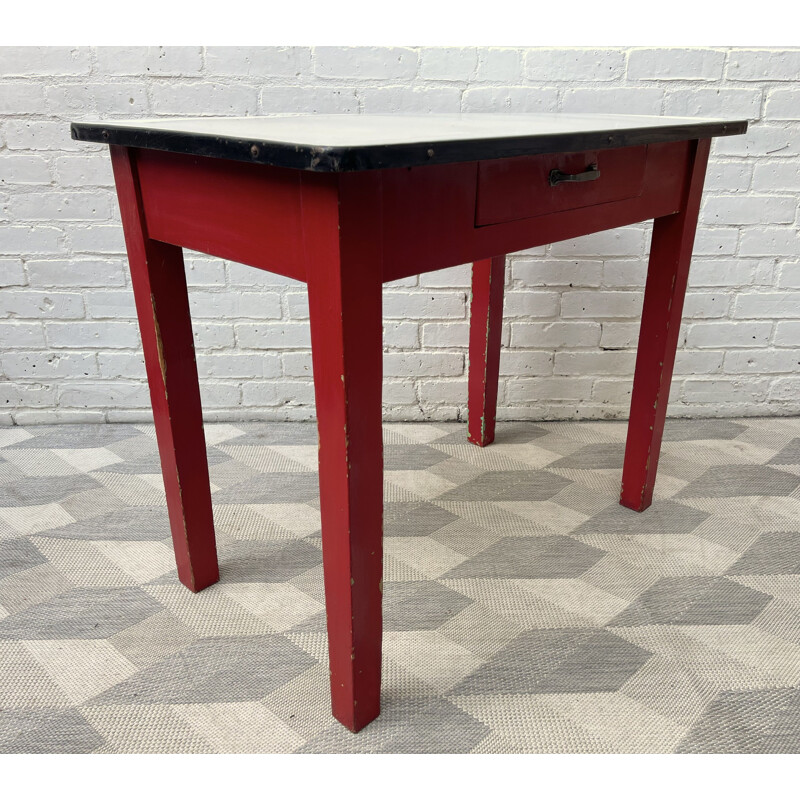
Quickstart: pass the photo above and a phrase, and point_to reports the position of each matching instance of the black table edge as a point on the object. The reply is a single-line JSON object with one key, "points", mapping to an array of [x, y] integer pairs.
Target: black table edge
{"points": [[369, 157]]}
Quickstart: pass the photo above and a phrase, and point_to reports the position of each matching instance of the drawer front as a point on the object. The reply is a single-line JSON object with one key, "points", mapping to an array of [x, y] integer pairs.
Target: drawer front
{"points": [[518, 188]]}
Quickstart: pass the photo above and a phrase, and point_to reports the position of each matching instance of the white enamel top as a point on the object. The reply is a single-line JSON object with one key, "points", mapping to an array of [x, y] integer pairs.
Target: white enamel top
{"points": [[364, 130]]}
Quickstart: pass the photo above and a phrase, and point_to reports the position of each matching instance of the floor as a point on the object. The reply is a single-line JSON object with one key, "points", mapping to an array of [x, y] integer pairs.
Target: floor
{"points": [[525, 610]]}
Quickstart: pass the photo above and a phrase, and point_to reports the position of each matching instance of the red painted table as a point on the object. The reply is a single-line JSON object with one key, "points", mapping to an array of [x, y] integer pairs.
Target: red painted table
{"points": [[346, 203]]}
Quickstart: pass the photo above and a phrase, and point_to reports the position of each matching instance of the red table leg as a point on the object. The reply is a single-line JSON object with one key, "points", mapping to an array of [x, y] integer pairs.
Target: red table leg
{"points": [[485, 324], [667, 276], [343, 257], [162, 305]]}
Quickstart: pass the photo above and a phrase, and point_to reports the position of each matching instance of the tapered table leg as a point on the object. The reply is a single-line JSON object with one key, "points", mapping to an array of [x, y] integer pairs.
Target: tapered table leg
{"points": [[667, 277], [162, 305], [341, 218], [485, 325]]}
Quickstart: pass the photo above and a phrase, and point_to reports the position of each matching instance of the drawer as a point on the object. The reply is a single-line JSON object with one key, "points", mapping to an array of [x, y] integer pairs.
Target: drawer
{"points": [[518, 188]]}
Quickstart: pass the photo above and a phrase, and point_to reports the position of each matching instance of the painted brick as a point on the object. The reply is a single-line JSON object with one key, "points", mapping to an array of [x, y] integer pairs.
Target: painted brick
{"points": [[574, 64], [601, 304], [698, 362], [500, 65], [787, 334], [767, 240], [39, 305], [731, 103], [203, 99], [557, 273], [790, 276], [650, 64], [213, 336], [48, 365], [613, 101], [121, 364], [258, 62], [573, 305], [776, 176], [785, 389], [731, 272], [24, 240], [297, 365], [617, 242], [728, 176], [19, 169], [12, 272], [400, 305], [450, 391], [401, 335], [706, 305], [101, 304], [21, 335], [410, 100], [39, 135], [725, 391], [763, 65], [516, 99], [76, 273], [220, 395], [460, 276], [448, 63], [96, 239], [204, 272], [13, 395], [530, 304], [555, 335], [238, 365], [603, 363], [625, 273], [384, 63], [85, 335], [749, 210], [534, 390], [767, 306], [526, 363], [619, 335], [729, 334], [271, 336], [149, 60], [17, 98], [103, 395], [308, 99], [51, 61], [783, 104], [422, 364], [403, 393], [762, 361], [60, 206]]}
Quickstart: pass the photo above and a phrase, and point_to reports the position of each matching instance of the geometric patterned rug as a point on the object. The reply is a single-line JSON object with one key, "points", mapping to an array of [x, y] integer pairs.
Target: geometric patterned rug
{"points": [[525, 610]]}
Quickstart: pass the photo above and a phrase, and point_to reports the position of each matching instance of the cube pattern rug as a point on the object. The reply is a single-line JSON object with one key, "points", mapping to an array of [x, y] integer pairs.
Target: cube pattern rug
{"points": [[525, 610]]}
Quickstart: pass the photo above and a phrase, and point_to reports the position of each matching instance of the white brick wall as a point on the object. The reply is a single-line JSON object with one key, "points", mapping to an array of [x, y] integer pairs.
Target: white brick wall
{"points": [[69, 345]]}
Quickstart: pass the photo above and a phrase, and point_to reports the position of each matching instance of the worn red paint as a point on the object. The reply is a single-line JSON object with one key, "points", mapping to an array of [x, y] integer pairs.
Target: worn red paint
{"points": [[162, 305], [485, 323], [345, 235], [343, 260], [667, 277]]}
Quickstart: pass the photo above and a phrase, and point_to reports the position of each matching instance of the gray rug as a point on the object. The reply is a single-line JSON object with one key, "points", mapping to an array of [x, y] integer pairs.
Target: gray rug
{"points": [[525, 610]]}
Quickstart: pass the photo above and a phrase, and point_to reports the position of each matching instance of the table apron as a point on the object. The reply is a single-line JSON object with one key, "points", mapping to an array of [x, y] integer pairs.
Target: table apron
{"points": [[253, 213]]}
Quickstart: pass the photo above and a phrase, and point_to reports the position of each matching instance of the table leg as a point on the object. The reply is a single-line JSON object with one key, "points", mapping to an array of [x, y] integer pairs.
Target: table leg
{"points": [[162, 305], [485, 325], [344, 289], [667, 277]]}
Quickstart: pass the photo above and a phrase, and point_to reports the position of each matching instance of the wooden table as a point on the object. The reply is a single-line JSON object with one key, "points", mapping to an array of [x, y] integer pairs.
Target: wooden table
{"points": [[346, 203]]}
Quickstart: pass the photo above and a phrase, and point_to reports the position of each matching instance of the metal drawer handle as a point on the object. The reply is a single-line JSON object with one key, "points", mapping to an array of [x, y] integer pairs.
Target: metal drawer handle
{"points": [[590, 174]]}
